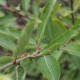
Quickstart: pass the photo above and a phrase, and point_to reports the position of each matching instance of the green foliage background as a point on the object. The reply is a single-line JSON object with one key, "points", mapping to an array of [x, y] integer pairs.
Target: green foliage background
{"points": [[49, 26]]}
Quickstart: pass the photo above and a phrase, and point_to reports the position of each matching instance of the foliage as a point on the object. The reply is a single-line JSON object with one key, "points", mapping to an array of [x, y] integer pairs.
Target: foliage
{"points": [[38, 47]]}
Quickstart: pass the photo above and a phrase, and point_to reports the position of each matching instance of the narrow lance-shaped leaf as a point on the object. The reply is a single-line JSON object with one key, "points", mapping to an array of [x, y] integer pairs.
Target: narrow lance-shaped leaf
{"points": [[44, 17], [49, 67], [65, 37], [7, 43], [24, 38]]}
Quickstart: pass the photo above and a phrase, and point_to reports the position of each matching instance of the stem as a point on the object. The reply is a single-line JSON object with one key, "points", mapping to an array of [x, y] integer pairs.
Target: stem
{"points": [[17, 12], [17, 61], [73, 20], [17, 72]]}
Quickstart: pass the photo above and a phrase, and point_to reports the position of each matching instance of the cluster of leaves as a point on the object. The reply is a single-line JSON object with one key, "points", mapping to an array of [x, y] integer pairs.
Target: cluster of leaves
{"points": [[55, 34]]}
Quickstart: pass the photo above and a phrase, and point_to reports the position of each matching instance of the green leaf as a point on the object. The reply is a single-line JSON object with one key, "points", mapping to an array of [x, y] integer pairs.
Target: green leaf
{"points": [[65, 11], [10, 32], [76, 61], [58, 28], [49, 67], [1, 13], [56, 54], [55, 10], [5, 59], [54, 29], [73, 49], [65, 37], [67, 21], [25, 4], [44, 17], [7, 77], [24, 38], [35, 9], [21, 74], [77, 22], [3, 2], [8, 21], [76, 5], [7, 43]]}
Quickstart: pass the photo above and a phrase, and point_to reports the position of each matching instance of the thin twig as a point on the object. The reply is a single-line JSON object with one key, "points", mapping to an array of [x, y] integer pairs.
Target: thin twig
{"points": [[73, 20], [14, 11], [17, 61]]}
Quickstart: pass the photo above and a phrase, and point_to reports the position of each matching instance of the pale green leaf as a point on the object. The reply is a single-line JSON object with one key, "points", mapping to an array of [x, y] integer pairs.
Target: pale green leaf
{"points": [[7, 77], [49, 67], [3, 2], [7, 43], [1, 13], [24, 38], [56, 54], [25, 4], [73, 49], [35, 9], [10, 32]]}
